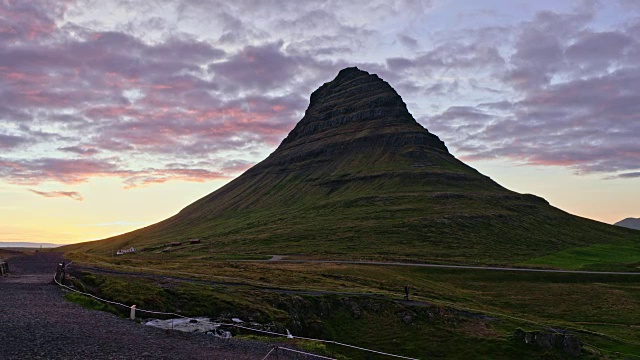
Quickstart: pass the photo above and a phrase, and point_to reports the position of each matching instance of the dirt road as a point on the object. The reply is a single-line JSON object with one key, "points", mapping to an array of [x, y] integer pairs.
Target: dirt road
{"points": [[37, 323], [280, 258]]}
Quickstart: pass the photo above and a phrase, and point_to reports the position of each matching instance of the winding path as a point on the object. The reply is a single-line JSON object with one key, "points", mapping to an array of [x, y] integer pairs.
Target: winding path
{"points": [[37, 323], [279, 258]]}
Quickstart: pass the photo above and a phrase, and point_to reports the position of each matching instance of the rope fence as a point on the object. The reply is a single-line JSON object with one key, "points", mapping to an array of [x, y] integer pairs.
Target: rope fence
{"points": [[61, 274], [116, 303], [320, 340], [269, 353]]}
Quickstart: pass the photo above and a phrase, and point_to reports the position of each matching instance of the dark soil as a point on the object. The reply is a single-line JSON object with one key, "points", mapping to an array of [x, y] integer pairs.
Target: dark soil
{"points": [[37, 323]]}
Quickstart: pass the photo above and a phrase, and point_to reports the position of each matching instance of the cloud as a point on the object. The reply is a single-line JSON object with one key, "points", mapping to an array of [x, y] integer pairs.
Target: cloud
{"points": [[631, 175], [159, 176], [54, 194], [118, 223], [33, 172], [451, 55], [572, 124], [261, 68], [10, 141], [594, 52], [104, 94], [574, 103], [134, 95], [80, 150], [408, 41], [29, 20], [589, 125], [68, 171]]}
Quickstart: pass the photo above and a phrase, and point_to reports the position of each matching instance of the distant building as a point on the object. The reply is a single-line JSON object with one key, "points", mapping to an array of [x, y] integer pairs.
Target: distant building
{"points": [[194, 241], [175, 243], [126, 251]]}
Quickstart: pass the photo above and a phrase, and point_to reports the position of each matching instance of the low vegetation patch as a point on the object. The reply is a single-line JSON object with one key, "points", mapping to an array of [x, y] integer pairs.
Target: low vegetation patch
{"points": [[598, 257], [90, 303]]}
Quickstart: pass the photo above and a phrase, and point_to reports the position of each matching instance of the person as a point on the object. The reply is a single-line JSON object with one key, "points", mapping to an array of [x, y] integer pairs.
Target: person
{"points": [[406, 292]]}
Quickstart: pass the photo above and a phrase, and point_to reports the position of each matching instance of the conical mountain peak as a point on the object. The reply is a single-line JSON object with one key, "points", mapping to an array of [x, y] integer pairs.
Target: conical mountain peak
{"points": [[358, 175], [354, 111], [344, 77]]}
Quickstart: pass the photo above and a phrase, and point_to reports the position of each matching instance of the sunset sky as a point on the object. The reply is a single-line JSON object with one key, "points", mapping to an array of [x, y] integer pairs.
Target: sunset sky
{"points": [[117, 114]]}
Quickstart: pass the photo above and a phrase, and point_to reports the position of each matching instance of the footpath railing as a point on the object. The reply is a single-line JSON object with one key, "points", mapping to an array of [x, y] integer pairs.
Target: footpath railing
{"points": [[60, 277], [4, 268]]}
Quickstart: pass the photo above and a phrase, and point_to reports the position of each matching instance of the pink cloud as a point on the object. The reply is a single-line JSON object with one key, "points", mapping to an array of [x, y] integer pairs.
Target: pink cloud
{"points": [[68, 171], [54, 194], [159, 176], [111, 95], [24, 20]]}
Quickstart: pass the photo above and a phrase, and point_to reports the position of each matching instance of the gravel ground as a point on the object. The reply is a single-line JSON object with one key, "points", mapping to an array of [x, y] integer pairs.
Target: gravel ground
{"points": [[37, 323]]}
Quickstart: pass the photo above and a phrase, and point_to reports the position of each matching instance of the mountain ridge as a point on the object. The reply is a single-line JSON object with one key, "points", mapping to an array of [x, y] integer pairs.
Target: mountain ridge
{"points": [[26, 244], [631, 223]]}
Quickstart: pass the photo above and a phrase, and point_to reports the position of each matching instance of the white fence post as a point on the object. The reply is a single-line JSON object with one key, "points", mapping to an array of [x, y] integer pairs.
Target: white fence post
{"points": [[132, 315]]}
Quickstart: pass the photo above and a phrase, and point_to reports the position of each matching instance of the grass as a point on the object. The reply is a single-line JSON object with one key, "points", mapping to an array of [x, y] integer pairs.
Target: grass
{"points": [[602, 310], [90, 303], [599, 257], [6, 254], [423, 232]]}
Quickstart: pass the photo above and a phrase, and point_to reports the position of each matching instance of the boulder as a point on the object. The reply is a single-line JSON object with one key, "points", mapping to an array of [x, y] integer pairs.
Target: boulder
{"points": [[568, 343]]}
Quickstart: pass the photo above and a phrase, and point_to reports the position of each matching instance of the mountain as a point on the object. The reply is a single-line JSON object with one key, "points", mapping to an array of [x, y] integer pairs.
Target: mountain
{"points": [[10, 244], [630, 223], [358, 176]]}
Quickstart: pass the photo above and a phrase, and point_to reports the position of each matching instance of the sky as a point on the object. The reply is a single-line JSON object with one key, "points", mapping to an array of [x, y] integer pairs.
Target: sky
{"points": [[115, 114]]}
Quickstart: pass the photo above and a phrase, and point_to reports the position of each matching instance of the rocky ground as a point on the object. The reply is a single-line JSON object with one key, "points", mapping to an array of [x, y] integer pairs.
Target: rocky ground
{"points": [[36, 322]]}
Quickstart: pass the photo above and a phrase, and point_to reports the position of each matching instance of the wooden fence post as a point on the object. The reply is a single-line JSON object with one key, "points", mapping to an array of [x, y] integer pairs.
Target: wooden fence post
{"points": [[60, 272]]}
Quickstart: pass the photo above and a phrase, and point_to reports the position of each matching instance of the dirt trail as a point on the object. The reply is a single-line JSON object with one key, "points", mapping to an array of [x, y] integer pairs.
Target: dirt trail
{"points": [[279, 258], [37, 323]]}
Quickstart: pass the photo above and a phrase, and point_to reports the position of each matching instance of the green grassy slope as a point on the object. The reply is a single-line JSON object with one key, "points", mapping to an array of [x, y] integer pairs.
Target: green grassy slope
{"points": [[359, 177]]}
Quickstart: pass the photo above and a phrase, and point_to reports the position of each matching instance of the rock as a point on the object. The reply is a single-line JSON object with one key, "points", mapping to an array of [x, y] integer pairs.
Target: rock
{"points": [[546, 340], [528, 338], [571, 345], [193, 321], [550, 340], [355, 309]]}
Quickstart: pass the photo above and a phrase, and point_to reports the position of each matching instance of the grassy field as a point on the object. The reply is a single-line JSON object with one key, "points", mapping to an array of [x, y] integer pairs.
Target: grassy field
{"points": [[361, 304], [599, 257]]}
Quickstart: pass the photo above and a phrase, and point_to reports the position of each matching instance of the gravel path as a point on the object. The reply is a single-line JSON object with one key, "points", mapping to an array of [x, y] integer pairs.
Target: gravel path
{"points": [[37, 323]]}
